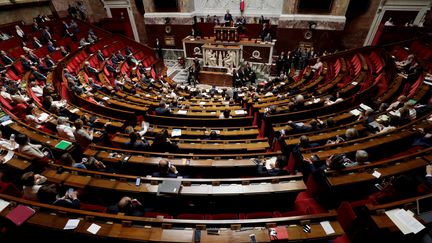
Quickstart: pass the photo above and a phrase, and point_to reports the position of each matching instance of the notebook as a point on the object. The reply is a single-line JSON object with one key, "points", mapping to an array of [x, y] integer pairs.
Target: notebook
{"points": [[63, 145], [169, 187], [424, 208], [20, 214], [279, 233]]}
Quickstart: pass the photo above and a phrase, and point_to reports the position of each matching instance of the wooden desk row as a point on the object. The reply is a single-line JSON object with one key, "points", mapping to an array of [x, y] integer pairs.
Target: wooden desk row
{"points": [[161, 230], [87, 181]]}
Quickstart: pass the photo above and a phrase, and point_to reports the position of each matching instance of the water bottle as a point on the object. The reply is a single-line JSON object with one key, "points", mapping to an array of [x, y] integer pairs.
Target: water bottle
{"points": [[12, 141]]}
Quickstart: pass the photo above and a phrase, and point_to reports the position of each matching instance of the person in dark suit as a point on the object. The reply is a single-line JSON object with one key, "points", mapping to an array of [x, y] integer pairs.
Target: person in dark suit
{"points": [[69, 200], [162, 110], [158, 47], [161, 143], [100, 56], [5, 58], [265, 31], [135, 144], [228, 18], [429, 176], [166, 169], [36, 43], [49, 62], [25, 63]]}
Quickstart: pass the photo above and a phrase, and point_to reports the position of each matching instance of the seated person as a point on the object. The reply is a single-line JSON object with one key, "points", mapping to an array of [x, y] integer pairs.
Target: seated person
{"points": [[162, 110], [276, 168], [34, 188], [135, 144], [33, 151], [69, 200], [339, 161], [166, 169], [127, 205], [161, 143], [361, 157]]}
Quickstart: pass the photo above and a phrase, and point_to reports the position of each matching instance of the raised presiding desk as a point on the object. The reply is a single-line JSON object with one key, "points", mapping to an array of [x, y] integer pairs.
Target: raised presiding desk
{"points": [[253, 50]]}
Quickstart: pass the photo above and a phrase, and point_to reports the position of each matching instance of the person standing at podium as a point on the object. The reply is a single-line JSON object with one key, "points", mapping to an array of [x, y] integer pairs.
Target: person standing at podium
{"points": [[228, 18]]}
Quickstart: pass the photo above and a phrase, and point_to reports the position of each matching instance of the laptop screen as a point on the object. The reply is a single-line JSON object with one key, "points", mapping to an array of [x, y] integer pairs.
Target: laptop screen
{"points": [[424, 204]]}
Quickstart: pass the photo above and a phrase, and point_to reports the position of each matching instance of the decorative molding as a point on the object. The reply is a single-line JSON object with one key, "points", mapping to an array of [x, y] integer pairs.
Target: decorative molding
{"points": [[268, 8], [302, 21]]}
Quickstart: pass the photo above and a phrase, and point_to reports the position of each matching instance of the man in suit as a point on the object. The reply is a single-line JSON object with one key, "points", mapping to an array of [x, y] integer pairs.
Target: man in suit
{"points": [[100, 56], [5, 58], [36, 43], [49, 62], [37, 75], [159, 49], [26, 63], [429, 176], [166, 169], [228, 18]]}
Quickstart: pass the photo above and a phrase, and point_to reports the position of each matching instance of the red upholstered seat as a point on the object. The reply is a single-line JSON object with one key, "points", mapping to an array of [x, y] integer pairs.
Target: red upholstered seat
{"points": [[92, 207], [222, 216], [346, 217], [9, 189], [196, 216], [156, 214]]}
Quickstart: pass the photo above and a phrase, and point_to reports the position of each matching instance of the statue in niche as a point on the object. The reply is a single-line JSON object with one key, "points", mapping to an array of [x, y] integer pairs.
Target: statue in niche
{"points": [[229, 59], [220, 62], [211, 58]]}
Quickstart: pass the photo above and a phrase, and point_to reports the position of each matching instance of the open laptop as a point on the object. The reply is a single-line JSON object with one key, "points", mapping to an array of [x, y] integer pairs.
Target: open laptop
{"points": [[169, 187], [424, 208]]}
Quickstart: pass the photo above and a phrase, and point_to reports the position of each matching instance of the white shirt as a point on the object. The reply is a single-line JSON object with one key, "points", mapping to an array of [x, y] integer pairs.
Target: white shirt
{"points": [[65, 131]]}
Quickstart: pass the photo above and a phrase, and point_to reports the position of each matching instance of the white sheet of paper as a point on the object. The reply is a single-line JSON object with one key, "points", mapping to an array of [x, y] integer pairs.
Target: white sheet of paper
{"points": [[182, 112], [8, 156], [354, 83], [202, 103], [376, 174], [413, 224], [71, 224], [327, 227], [105, 98], [176, 133], [240, 112], [94, 228], [3, 204], [74, 110], [5, 123], [402, 227], [43, 116]]}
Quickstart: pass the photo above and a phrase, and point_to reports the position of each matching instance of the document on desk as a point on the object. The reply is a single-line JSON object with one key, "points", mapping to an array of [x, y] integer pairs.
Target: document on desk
{"points": [[43, 116], [94, 228], [404, 221], [8, 156], [327, 227], [181, 112], [3, 204], [71, 224]]}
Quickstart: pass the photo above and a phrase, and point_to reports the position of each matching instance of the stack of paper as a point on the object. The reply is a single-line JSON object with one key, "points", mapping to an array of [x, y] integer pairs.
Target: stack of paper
{"points": [[405, 221], [8, 156], [181, 112], [240, 112]]}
